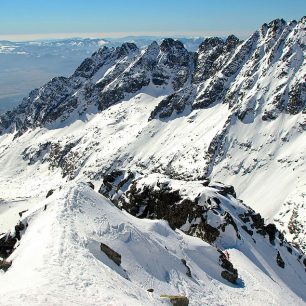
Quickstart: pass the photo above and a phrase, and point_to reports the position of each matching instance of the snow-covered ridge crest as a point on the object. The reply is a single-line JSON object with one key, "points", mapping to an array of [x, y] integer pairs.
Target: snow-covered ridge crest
{"points": [[69, 266]]}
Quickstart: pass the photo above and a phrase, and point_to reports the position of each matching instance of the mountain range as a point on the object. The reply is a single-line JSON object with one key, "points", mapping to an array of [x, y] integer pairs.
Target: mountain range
{"points": [[197, 161], [29, 64]]}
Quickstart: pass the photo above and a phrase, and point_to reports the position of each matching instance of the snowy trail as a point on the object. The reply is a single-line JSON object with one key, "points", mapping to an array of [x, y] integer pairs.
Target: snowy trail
{"points": [[63, 271], [59, 261]]}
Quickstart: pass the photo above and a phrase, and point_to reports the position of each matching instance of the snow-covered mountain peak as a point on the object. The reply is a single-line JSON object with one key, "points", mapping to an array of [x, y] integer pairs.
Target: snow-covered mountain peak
{"points": [[176, 121], [222, 70], [170, 44], [127, 49]]}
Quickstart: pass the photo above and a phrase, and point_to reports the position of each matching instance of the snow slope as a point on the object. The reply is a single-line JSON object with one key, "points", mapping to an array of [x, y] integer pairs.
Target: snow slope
{"points": [[59, 260], [266, 170]]}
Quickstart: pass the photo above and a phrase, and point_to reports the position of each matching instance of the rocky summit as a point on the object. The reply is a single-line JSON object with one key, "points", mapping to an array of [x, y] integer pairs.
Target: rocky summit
{"points": [[167, 175]]}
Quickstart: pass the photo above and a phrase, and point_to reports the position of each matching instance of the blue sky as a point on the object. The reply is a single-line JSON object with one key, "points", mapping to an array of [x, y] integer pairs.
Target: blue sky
{"points": [[117, 18]]}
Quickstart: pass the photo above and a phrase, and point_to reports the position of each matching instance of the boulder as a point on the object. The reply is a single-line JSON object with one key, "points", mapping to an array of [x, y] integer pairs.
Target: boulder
{"points": [[177, 300], [271, 231], [230, 274], [4, 265], [18, 228], [231, 277], [49, 193], [7, 244], [280, 262], [9, 240], [258, 221], [111, 254]]}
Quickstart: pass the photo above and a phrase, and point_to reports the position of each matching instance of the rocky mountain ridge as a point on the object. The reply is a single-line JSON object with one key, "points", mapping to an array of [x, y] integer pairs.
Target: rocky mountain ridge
{"points": [[230, 71], [240, 104]]}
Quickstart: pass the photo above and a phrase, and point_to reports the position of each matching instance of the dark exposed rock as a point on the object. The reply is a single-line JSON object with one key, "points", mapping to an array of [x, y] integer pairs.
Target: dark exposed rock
{"points": [[271, 231], [216, 148], [34, 154], [168, 44], [230, 221], [231, 43], [18, 228], [162, 201], [22, 212], [250, 232], [49, 193], [205, 64], [297, 98], [211, 95], [244, 218], [280, 261], [213, 53], [207, 232], [188, 273], [111, 254], [7, 244], [281, 237], [126, 48], [230, 274], [225, 190], [255, 220], [174, 103], [150, 290], [225, 263], [219, 61], [258, 221], [177, 300], [155, 197], [64, 157], [91, 185], [5, 264], [160, 204], [231, 277], [269, 115], [261, 232], [9, 241], [109, 188], [290, 251]]}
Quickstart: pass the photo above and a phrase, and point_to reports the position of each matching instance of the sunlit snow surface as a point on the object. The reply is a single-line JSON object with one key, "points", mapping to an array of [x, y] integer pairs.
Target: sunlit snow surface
{"points": [[267, 171], [59, 261]]}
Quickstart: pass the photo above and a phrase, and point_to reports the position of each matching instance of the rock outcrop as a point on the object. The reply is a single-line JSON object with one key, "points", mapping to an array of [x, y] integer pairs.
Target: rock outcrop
{"points": [[208, 210], [111, 254]]}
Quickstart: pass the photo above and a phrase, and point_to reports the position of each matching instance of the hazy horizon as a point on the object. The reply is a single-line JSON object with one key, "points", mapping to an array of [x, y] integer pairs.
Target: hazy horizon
{"points": [[57, 19]]}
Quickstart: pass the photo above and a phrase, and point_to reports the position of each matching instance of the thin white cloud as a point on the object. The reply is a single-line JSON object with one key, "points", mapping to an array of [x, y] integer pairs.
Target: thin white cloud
{"points": [[27, 37]]}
